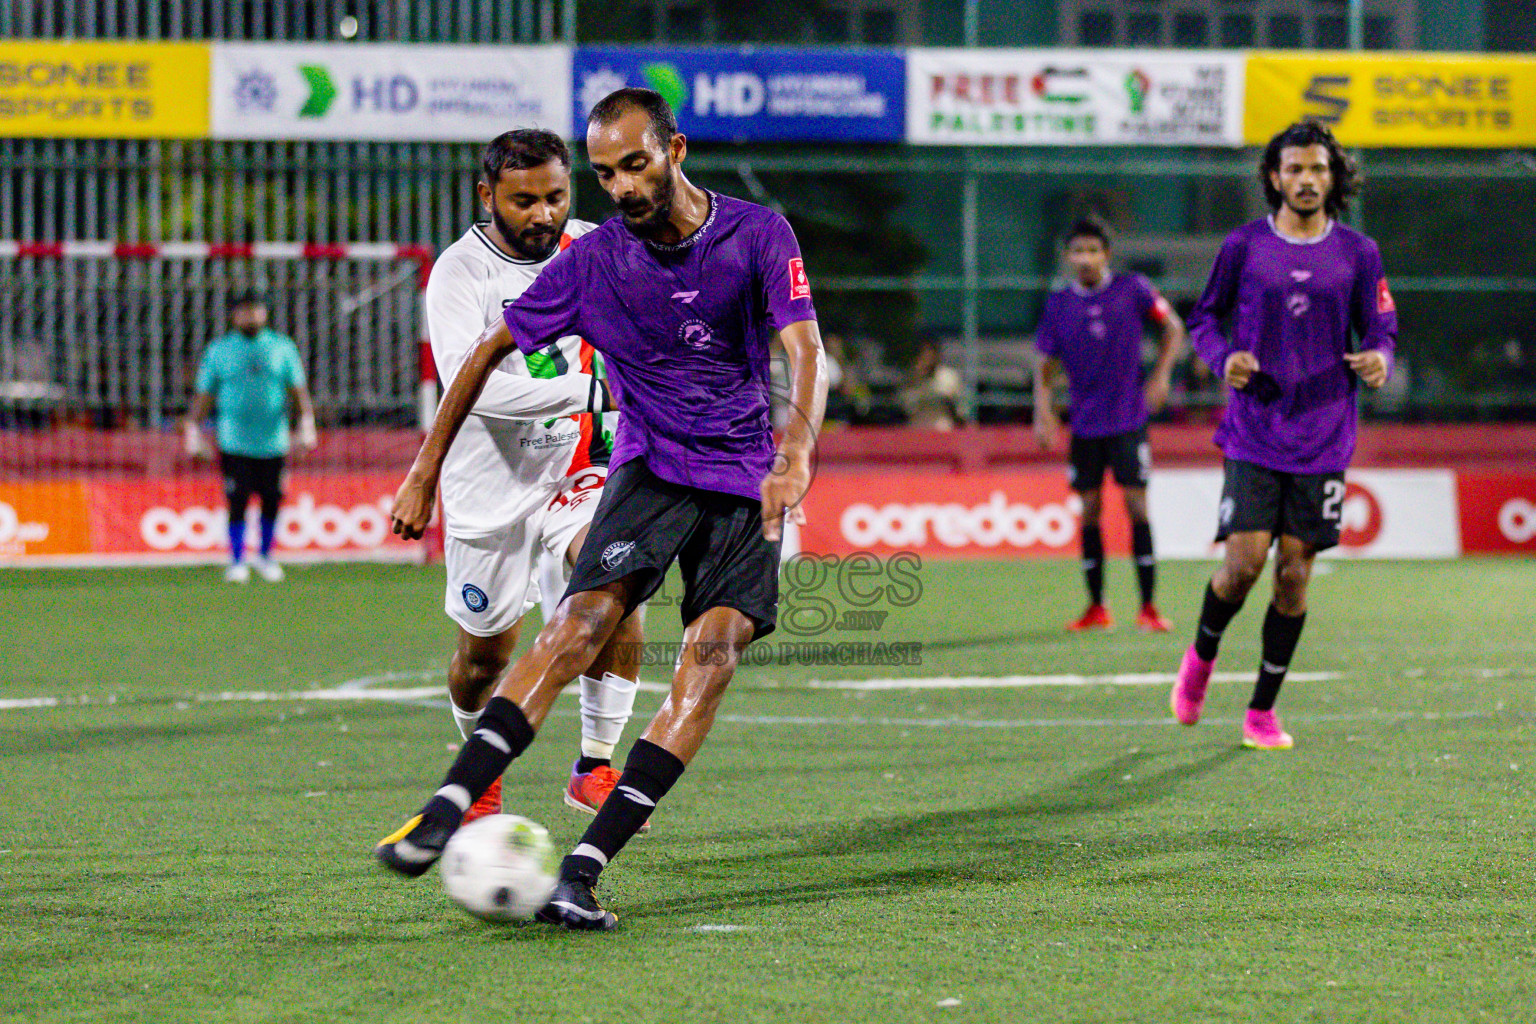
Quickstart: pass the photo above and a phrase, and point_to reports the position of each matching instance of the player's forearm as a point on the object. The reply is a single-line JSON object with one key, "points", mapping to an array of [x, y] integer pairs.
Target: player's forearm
{"points": [[202, 405], [1172, 345], [807, 388], [509, 397], [1045, 387], [459, 401]]}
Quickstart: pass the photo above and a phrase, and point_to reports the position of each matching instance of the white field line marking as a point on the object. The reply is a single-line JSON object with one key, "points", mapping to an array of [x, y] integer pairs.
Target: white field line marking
{"points": [[1062, 679], [16, 703], [706, 928]]}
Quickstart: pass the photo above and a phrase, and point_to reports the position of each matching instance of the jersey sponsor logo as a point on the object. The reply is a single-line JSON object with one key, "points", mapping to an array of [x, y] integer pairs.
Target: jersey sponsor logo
{"points": [[1300, 275], [1517, 521], [1298, 303], [1226, 510], [1097, 330], [686, 298], [616, 552], [1384, 301], [799, 284], [696, 334], [475, 599]]}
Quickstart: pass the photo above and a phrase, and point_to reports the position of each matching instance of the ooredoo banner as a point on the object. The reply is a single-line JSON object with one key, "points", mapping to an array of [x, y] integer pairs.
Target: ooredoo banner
{"points": [[760, 93], [985, 97], [132, 521], [1498, 513], [444, 93], [1384, 514]]}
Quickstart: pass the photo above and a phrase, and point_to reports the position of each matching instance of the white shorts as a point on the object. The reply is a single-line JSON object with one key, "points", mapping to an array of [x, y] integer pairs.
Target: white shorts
{"points": [[491, 583]]}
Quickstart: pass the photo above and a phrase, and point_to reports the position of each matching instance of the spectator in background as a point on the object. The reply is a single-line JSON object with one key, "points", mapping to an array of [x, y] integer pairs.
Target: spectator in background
{"points": [[847, 393], [934, 395], [254, 378]]}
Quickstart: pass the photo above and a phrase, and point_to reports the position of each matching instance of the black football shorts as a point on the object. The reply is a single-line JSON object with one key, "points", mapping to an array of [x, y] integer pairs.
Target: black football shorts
{"points": [[1307, 506], [644, 523], [1127, 456]]}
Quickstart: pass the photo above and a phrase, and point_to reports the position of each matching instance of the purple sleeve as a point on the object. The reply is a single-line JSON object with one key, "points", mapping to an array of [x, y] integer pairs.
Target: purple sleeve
{"points": [[1206, 334], [551, 307], [1046, 342], [781, 274], [1372, 308]]}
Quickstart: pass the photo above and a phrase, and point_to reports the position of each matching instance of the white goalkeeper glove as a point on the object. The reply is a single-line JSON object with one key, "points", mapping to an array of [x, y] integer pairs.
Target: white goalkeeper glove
{"points": [[309, 439], [192, 438]]}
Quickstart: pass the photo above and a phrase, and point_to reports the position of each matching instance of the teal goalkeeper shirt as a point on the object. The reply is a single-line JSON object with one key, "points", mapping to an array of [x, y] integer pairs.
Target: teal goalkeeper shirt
{"points": [[249, 380]]}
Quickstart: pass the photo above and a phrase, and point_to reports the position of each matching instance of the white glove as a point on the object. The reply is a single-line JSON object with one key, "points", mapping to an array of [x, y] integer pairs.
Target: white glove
{"points": [[308, 438], [193, 440]]}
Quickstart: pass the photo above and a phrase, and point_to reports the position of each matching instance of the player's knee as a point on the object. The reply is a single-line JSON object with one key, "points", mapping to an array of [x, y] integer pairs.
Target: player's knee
{"points": [[583, 625], [1093, 508], [1243, 572], [473, 672], [1291, 578]]}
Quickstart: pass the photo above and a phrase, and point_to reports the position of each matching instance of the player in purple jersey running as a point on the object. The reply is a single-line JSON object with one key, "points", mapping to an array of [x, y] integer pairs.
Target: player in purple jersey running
{"points": [[1310, 315], [1093, 329], [682, 294]]}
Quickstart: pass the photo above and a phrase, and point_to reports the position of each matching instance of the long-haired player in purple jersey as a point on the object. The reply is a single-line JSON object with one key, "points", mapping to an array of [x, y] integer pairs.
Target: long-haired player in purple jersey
{"points": [[683, 294], [1311, 318]]}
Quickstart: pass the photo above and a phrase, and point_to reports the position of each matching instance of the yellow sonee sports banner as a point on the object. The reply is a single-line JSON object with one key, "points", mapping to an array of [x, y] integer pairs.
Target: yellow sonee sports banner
{"points": [[104, 90], [1468, 100]]}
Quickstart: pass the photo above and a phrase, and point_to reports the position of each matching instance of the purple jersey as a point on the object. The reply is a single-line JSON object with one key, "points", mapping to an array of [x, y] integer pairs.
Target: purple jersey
{"points": [[1096, 333], [685, 331], [1293, 305]]}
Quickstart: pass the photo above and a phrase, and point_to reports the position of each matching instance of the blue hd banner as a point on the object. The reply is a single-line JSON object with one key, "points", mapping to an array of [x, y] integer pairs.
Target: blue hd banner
{"points": [[780, 95]]}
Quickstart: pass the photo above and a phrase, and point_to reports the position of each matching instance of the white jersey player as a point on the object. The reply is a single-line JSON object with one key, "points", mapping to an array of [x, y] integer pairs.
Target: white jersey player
{"points": [[525, 473]]}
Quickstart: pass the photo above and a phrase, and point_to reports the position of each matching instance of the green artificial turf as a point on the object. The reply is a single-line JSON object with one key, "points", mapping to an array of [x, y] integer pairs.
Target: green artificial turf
{"points": [[1042, 853]]}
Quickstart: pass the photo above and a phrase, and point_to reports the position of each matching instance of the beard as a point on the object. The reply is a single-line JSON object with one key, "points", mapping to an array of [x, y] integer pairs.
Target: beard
{"points": [[1306, 205], [646, 217], [536, 243]]}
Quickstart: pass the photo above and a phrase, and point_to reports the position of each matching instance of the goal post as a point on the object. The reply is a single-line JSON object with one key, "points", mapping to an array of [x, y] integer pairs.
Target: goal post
{"points": [[99, 347]]}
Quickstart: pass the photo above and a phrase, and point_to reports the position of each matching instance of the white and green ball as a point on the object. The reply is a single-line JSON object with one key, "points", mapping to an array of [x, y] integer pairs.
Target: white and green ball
{"points": [[500, 868]]}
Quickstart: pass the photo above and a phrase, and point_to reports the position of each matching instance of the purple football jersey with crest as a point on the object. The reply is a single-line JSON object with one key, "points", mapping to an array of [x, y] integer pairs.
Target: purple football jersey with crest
{"points": [[1297, 306], [685, 331], [1096, 333]]}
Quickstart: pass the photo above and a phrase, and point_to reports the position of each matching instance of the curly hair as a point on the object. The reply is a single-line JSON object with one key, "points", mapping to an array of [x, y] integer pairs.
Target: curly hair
{"points": [[1346, 176]]}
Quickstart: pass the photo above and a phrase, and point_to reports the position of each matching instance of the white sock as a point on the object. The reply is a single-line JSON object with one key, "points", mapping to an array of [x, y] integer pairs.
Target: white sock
{"points": [[465, 720], [606, 705]]}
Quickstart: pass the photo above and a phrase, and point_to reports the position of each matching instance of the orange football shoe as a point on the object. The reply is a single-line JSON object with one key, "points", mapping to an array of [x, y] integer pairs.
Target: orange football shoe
{"points": [[1150, 620], [1096, 617], [488, 804], [586, 792]]}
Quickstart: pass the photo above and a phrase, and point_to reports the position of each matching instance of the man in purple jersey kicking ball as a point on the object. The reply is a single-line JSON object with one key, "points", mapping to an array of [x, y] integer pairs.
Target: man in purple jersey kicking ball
{"points": [[682, 294], [1299, 287], [1093, 329]]}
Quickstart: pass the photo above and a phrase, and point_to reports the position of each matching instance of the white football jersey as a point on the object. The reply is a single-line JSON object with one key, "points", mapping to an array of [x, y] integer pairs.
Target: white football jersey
{"points": [[530, 427]]}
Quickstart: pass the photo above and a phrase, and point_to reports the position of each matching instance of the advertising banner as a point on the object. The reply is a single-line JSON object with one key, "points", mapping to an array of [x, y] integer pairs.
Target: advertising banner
{"points": [[1417, 100], [336, 515], [981, 515], [1498, 513], [104, 90], [785, 95], [988, 97], [391, 92], [1385, 513]]}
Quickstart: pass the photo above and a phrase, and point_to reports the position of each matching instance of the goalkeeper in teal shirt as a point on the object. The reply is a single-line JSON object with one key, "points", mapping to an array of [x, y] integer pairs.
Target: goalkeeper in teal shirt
{"points": [[253, 378]]}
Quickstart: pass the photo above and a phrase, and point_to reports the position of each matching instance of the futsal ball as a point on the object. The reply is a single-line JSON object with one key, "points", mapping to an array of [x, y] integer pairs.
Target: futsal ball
{"points": [[500, 868]]}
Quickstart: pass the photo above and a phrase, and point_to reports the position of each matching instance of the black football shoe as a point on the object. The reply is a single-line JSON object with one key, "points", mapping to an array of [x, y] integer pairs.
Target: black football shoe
{"points": [[573, 906]]}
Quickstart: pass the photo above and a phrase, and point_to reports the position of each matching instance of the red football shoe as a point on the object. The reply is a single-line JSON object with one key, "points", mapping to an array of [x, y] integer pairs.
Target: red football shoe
{"points": [[488, 804], [1150, 620], [587, 791], [1096, 617]]}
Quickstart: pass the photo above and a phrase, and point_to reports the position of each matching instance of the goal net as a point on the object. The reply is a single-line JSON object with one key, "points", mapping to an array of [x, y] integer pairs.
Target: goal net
{"points": [[99, 348]]}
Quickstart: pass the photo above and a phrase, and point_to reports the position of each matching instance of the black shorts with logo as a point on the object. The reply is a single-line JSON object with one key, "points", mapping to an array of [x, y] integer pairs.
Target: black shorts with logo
{"points": [[644, 523], [1127, 456], [1307, 506]]}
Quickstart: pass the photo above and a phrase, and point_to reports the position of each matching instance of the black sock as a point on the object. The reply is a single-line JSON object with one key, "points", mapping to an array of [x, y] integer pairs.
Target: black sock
{"points": [[1280, 635], [585, 765], [501, 733], [1146, 561], [1093, 563], [649, 773], [1214, 616]]}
